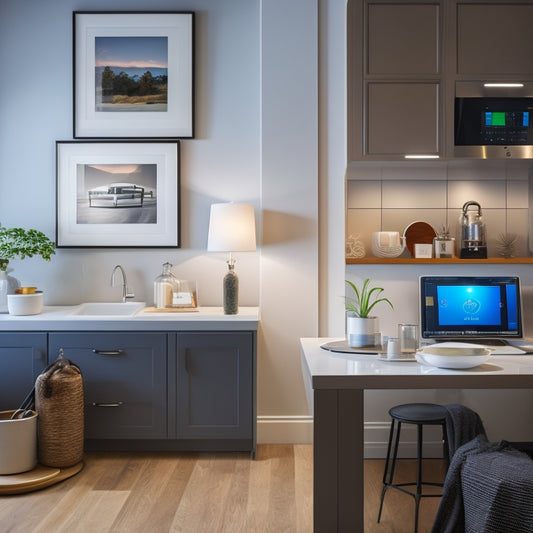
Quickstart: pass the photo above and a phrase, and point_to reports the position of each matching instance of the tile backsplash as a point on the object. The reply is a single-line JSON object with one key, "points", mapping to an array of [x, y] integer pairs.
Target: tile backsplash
{"points": [[393, 204]]}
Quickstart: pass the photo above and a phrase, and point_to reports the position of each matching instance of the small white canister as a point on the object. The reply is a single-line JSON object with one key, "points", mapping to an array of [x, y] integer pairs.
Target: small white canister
{"points": [[18, 443]]}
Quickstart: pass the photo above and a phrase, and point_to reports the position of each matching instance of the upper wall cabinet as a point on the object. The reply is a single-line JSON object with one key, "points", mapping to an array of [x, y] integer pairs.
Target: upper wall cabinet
{"points": [[402, 39], [394, 79], [405, 58], [494, 39]]}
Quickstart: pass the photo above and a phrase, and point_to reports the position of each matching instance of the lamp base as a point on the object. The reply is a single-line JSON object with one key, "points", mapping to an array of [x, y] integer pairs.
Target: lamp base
{"points": [[231, 292]]}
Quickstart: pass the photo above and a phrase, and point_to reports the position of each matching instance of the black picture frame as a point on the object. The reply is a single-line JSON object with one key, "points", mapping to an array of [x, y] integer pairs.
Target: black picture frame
{"points": [[133, 75], [118, 194]]}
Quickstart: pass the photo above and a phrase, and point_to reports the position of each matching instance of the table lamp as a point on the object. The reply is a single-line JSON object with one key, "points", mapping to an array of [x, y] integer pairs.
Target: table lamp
{"points": [[231, 229]]}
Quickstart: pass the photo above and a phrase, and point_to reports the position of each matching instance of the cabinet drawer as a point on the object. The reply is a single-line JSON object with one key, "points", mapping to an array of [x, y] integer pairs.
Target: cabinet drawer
{"points": [[124, 380]]}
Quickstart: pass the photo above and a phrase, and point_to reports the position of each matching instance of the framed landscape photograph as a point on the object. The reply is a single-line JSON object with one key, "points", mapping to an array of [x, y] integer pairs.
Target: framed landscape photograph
{"points": [[117, 194], [133, 75]]}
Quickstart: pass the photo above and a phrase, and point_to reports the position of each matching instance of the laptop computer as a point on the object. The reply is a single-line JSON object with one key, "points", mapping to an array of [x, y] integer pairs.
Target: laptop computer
{"points": [[485, 310]]}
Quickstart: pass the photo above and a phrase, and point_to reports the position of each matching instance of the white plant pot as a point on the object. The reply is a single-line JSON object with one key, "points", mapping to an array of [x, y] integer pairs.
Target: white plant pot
{"points": [[362, 332]]}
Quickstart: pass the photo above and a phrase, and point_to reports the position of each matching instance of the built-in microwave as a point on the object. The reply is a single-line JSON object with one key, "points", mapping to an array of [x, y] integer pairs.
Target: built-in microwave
{"points": [[493, 120]]}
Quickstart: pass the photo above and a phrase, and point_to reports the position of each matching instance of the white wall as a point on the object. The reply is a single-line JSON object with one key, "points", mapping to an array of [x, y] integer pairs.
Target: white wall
{"points": [[256, 141]]}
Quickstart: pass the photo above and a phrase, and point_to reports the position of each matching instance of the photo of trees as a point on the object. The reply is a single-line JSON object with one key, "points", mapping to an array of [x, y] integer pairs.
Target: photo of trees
{"points": [[131, 74]]}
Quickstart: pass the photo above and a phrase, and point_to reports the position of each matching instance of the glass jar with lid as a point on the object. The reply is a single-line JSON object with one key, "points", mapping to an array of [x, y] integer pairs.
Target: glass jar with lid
{"points": [[165, 286], [443, 244]]}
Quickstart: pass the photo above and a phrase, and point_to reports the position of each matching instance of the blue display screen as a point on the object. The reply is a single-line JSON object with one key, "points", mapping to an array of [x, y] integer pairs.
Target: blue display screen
{"points": [[469, 305]]}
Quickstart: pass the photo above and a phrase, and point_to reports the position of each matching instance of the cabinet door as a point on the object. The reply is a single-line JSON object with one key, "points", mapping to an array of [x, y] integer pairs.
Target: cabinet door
{"points": [[403, 38], [402, 118], [22, 359], [215, 385], [124, 382], [495, 39]]}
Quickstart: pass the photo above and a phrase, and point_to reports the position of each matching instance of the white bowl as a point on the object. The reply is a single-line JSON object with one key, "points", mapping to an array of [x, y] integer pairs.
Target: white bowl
{"points": [[25, 304], [455, 357]]}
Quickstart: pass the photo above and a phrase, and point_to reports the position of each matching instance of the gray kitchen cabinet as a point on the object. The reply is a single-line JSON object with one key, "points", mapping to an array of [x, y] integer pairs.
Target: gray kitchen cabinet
{"points": [[402, 38], [402, 118], [394, 79], [124, 379], [215, 384], [23, 356], [494, 39]]}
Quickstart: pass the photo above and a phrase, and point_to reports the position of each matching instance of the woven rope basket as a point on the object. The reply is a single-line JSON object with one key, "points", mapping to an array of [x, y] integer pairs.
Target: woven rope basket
{"points": [[59, 402]]}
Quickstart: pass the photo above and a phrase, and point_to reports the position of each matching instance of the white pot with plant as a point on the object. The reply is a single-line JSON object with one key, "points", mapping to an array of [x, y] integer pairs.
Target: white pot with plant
{"points": [[361, 328], [18, 243]]}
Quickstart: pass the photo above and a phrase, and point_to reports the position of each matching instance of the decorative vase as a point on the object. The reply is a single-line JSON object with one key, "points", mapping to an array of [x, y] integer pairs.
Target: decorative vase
{"points": [[231, 292], [8, 284], [362, 332]]}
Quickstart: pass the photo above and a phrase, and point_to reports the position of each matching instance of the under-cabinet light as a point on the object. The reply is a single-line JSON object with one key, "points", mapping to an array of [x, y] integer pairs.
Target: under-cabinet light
{"points": [[421, 156], [503, 85]]}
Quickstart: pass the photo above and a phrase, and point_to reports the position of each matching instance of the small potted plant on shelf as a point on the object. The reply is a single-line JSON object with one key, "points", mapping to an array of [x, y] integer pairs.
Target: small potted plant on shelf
{"points": [[361, 328], [18, 243]]}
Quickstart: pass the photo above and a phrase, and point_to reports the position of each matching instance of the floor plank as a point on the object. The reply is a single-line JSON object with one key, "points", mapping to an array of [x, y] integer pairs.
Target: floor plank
{"points": [[135, 492]]}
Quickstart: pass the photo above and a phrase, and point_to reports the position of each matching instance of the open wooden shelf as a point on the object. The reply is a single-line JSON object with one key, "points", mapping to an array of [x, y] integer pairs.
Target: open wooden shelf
{"points": [[436, 261]]}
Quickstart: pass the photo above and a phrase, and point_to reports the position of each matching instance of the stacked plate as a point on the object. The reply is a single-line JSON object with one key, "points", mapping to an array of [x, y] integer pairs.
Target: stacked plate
{"points": [[387, 244], [455, 355]]}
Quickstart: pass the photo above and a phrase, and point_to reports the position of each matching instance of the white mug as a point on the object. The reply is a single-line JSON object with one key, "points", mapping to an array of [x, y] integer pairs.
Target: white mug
{"points": [[394, 348]]}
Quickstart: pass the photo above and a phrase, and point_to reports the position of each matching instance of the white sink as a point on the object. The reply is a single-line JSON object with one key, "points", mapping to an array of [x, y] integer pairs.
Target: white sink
{"points": [[107, 309]]}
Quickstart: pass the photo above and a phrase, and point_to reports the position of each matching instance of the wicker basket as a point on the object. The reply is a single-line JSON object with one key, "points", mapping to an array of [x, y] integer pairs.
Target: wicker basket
{"points": [[59, 402]]}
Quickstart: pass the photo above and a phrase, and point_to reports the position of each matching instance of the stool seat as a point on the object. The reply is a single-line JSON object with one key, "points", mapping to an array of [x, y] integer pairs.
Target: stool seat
{"points": [[419, 414]]}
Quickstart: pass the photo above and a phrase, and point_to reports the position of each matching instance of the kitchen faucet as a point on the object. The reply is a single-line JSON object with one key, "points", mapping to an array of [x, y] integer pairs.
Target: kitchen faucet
{"points": [[125, 291]]}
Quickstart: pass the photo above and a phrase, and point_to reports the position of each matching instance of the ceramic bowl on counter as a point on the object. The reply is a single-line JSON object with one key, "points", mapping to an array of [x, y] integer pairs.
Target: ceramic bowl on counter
{"points": [[25, 304], [454, 355]]}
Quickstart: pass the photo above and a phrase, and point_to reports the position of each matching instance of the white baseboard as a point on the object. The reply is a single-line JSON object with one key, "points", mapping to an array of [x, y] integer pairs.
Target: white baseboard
{"points": [[299, 430], [285, 429]]}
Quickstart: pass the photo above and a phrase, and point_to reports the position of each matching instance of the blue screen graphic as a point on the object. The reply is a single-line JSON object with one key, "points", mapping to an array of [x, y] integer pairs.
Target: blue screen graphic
{"points": [[512, 306], [469, 304]]}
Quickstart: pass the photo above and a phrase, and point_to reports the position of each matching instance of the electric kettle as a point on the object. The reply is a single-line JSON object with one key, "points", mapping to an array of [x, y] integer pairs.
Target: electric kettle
{"points": [[473, 239]]}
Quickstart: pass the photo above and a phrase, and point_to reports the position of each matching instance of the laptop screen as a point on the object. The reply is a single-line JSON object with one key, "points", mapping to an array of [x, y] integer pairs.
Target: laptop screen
{"points": [[460, 307]]}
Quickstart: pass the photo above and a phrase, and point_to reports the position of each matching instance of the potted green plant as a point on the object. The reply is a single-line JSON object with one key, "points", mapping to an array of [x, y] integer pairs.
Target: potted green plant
{"points": [[18, 243], [361, 328]]}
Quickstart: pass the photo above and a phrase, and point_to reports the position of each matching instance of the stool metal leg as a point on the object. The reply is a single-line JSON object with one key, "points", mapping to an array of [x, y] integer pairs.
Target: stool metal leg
{"points": [[418, 474], [385, 471], [388, 482]]}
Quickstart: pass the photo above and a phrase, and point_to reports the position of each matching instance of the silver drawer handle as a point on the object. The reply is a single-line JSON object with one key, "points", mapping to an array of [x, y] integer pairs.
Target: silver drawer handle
{"points": [[108, 352], [110, 404]]}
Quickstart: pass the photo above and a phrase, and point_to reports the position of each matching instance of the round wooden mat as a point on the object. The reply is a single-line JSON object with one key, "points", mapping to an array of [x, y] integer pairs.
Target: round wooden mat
{"points": [[418, 233], [38, 478]]}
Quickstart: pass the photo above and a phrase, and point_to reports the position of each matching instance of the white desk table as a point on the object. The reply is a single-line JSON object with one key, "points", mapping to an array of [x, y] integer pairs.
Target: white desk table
{"points": [[335, 384]]}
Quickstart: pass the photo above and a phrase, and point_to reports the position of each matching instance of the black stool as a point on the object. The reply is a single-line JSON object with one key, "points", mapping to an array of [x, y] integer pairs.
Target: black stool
{"points": [[420, 414]]}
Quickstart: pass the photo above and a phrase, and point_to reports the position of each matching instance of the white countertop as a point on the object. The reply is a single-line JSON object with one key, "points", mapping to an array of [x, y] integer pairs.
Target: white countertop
{"points": [[331, 370], [59, 318]]}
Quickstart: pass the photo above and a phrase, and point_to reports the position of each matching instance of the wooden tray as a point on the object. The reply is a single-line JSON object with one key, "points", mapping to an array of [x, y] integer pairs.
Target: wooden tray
{"points": [[38, 478], [418, 233], [170, 310]]}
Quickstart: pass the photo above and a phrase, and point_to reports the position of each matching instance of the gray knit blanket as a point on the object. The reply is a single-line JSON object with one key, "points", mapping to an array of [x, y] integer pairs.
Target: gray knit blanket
{"points": [[488, 489]]}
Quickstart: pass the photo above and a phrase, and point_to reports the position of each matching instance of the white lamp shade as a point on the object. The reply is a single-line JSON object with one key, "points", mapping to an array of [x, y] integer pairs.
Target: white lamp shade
{"points": [[231, 228]]}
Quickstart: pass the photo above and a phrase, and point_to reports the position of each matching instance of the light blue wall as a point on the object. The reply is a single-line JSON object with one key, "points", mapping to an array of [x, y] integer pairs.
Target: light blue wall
{"points": [[221, 164], [256, 141]]}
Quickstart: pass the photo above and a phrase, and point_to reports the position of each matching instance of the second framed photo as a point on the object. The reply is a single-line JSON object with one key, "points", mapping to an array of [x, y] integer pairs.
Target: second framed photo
{"points": [[117, 194], [133, 75]]}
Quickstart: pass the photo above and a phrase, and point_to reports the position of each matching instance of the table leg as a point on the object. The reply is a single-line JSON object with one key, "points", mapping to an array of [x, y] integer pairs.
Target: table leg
{"points": [[338, 454]]}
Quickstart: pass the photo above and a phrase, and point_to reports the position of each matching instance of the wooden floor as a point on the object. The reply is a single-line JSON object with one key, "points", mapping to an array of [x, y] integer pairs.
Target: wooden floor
{"points": [[202, 492]]}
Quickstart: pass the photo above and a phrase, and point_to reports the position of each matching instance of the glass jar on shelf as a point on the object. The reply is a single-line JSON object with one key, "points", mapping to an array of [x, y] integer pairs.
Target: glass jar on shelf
{"points": [[444, 244]]}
